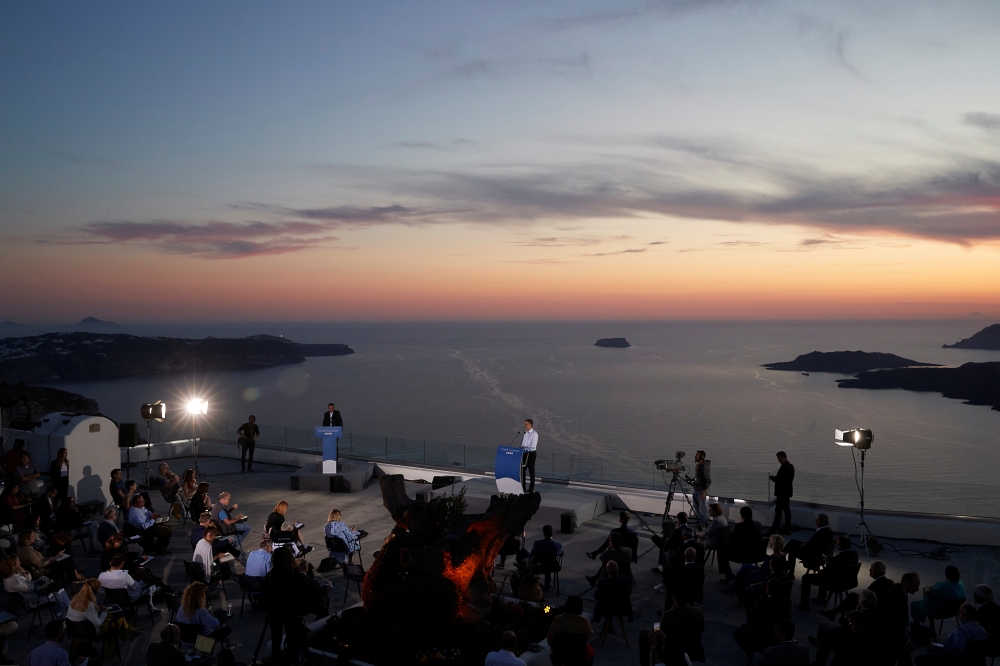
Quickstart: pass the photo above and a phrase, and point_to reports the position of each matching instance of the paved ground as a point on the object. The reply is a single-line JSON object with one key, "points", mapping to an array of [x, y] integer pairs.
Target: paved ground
{"points": [[258, 493]]}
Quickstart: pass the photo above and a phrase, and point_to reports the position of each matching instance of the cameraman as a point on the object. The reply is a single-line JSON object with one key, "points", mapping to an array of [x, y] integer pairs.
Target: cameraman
{"points": [[700, 483]]}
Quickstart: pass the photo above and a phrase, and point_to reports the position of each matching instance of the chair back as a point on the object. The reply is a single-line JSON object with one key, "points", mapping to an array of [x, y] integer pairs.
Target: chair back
{"points": [[336, 545], [189, 632], [974, 654], [83, 630], [15, 602], [129, 530], [117, 596], [251, 584], [754, 553], [726, 535], [568, 649], [195, 572], [948, 609], [354, 572]]}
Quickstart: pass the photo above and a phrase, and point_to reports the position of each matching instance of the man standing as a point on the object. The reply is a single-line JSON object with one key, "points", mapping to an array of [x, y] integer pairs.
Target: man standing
{"points": [[529, 447], [331, 417], [700, 483], [782, 494], [248, 432]]}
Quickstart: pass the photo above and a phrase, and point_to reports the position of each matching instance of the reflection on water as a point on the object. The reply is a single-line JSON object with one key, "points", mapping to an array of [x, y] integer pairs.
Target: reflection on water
{"points": [[608, 413]]}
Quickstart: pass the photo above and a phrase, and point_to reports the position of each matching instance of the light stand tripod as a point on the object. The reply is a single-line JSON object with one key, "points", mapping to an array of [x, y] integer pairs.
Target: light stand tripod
{"points": [[675, 483], [868, 541], [149, 447]]}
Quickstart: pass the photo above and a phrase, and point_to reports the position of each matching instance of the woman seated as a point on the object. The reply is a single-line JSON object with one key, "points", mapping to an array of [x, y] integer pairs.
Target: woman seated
{"points": [[17, 579], [13, 505], [192, 611], [950, 589], [201, 502], [116, 544], [189, 485], [84, 605], [55, 566], [278, 528], [337, 528]]}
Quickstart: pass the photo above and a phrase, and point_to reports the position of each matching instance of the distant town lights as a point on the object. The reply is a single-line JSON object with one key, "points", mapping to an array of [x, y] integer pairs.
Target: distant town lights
{"points": [[197, 406]]}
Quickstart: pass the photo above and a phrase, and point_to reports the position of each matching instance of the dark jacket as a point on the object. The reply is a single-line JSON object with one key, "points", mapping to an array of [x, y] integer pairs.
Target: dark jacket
{"points": [[614, 598], [789, 653], [818, 544], [544, 551], [685, 625], [762, 617], [42, 507], [745, 534], [284, 593], [333, 419], [894, 610], [164, 654], [783, 480], [691, 576], [840, 566], [989, 618], [880, 586]]}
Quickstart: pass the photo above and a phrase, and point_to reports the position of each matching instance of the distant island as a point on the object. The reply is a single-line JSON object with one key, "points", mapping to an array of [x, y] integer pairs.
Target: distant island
{"points": [[988, 338], [73, 356], [620, 343], [975, 383], [844, 362], [22, 405]]}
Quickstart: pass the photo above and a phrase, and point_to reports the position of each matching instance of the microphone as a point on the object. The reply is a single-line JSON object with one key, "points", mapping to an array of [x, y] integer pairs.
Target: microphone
{"points": [[515, 437]]}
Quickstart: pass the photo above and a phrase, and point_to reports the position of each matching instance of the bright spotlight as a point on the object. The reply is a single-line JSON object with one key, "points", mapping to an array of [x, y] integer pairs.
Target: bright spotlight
{"points": [[197, 406], [155, 411]]}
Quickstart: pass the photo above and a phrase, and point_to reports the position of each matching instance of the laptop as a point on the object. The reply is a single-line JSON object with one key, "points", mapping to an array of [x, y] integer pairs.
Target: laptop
{"points": [[162, 520], [203, 647]]}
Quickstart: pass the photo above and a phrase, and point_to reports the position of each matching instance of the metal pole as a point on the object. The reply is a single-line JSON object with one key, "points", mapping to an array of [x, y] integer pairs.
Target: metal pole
{"points": [[425, 451], [465, 463], [386, 448]]}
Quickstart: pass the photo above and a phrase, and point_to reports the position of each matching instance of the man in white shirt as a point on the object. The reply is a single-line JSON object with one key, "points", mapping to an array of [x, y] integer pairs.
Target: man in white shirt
{"points": [[259, 561], [203, 554], [529, 444], [505, 655], [118, 579]]}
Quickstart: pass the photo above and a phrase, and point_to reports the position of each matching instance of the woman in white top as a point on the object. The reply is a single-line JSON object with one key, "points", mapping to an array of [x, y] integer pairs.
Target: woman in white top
{"points": [[16, 579], [84, 605]]}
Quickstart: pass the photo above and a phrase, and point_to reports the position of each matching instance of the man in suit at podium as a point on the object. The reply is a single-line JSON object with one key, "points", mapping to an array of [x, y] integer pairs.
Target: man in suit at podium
{"points": [[331, 417]]}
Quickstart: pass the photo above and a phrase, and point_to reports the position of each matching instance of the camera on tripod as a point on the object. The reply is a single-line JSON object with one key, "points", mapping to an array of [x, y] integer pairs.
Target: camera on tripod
{"points": [[674, 466]]}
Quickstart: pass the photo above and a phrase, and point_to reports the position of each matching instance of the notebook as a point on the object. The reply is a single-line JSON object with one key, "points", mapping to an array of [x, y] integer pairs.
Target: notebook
{"points": [[228, 557]]}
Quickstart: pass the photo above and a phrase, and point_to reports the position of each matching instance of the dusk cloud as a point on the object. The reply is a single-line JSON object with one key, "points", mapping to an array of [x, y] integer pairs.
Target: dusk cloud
{"points": [[986, 121]]}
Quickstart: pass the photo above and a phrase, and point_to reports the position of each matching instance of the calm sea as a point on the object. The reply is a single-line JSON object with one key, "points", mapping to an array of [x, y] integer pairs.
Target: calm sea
{"points": [[608, 413]]}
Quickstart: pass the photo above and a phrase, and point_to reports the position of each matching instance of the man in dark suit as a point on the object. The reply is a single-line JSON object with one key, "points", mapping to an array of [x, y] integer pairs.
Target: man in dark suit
{"points": [[615, 553], [811, 552], [167, 652], [785, 651], [681, 627], [783, 494], [837, 569], [831, 635], [623, 529], [690, 575], [756, 635], [879, 585], [545, 554], [988, 613], [331, 417], [894, 615], [741, 541], [613, 595], [44, 507]]}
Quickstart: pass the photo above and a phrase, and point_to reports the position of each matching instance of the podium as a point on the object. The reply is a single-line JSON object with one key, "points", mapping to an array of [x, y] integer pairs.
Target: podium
{"points": [[329, 435], [508, 470]]}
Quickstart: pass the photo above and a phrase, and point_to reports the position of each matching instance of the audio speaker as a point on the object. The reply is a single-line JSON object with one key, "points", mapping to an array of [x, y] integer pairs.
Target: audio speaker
{"points": [[567, 523], [128, 435]]}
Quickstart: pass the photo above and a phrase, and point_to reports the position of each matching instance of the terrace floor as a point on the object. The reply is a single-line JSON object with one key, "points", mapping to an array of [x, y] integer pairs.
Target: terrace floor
{"points": [[257, 494]]}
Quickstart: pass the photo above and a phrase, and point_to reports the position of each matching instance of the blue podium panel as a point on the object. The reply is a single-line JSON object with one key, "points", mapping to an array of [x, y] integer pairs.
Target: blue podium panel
{"points": [[508, 470], [329, 435]]}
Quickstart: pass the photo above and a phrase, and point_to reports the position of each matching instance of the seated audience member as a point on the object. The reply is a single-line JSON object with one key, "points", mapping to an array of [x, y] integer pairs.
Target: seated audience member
{"points": [[512, 546], [117, 489], [167, 482], [84, 606], [545, 554], [220, 544], [116, 544], [155, 537], [690, 576], [894, 612], [988, 612], [810, 553], [227, 519], [337, 528], [968, 631], [745, 535], [748, 574], [777, 566], [31, 559], [758, 633], [316, 599], [168, 651], [116, 578], [68, 518], [613, 595], [17, 579], [717, 524], [28, 475], [131, 491], [12, 458], [623, 529], [785, 650], [50, 653], [44, 509], [279, 526], [879, 585], [14, 506], [840, 565], [615, 553], [192, 611], [188, 486], [208, 558], [109, 525], [259, 561], [950, 589], [670, 545], [200, 503], [680, 632], [571, 621], [830, 636], [505, 656]]}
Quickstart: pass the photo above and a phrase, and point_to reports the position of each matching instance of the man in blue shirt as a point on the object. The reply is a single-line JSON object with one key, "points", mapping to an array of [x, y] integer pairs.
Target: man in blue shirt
{"points": [[259, 561], [230, 522], [50, 653], [154, 537], [545, 555]]}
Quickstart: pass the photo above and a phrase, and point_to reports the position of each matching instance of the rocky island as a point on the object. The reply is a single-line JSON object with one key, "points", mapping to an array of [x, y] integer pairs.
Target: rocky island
{"points": [[975, 383], [844, 362], [988, 338], [72, 356], [620, 343]]}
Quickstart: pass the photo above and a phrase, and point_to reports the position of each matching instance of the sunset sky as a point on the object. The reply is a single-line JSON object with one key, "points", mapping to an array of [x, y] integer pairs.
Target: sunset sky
{"points": [[516, 160]]}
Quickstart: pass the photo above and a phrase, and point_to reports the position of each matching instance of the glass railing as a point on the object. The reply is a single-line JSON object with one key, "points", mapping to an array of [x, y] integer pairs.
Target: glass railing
{"points": [[882, 490]]}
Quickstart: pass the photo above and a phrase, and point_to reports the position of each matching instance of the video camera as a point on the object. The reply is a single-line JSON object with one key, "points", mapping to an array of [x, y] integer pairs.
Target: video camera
{"points": [[674, 466]]}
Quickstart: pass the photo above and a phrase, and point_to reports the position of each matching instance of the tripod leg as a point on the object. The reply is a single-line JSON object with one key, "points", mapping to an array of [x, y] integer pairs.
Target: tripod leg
{"points": [[260, 643]]}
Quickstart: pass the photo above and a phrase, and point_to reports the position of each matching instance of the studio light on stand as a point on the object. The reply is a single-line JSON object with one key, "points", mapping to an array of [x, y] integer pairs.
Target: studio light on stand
{"points": [[860, 439], [197, 407], [153, 411]]}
